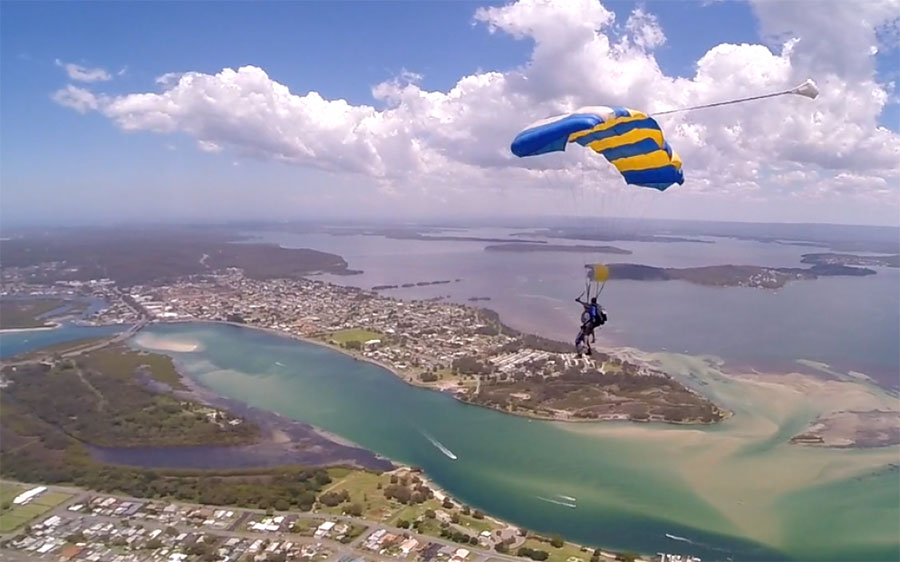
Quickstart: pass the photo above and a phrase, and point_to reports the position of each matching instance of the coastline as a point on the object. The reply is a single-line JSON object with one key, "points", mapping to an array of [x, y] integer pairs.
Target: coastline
{"points": [[620, 353], [47, 328], [625, 353]]}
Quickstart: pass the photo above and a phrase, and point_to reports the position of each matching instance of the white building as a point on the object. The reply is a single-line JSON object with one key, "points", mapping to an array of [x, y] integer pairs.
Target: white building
{"points": [[26, 497]]}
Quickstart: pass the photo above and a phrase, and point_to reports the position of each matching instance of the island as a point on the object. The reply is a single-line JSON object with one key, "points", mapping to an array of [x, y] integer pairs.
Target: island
{"points": [[732, 275], [535, 247], [833, 259], [600, 234], [415, 284], [853, 429]]}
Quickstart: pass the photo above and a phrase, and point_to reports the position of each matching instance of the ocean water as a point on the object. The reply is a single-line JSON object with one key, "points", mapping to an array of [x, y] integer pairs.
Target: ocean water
{"points": [[850, 323], [736, 490]]}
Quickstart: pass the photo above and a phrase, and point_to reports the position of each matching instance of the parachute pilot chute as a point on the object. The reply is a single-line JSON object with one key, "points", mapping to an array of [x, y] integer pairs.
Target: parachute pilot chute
{"points": [[597, 273]]}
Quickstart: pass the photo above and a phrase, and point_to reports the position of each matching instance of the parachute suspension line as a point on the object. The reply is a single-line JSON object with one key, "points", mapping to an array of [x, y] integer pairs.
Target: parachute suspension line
{"points": [[807, 89], [600, 290]]}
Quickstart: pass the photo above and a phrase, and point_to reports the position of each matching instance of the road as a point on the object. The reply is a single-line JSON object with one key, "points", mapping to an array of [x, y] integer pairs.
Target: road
{"points": [[79, 495]]}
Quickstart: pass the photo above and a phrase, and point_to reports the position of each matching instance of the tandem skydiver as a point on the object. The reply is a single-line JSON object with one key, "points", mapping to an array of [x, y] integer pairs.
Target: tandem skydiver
{"points": [[593, 316]]}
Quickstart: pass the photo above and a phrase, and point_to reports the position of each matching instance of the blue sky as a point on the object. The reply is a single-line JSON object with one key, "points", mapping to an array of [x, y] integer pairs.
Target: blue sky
{"points": [[338, 49]]}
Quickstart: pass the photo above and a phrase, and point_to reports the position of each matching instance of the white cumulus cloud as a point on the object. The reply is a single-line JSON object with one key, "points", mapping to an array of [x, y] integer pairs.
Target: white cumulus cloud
{"points": [[458, 140], [79, 99], [84, 74]]}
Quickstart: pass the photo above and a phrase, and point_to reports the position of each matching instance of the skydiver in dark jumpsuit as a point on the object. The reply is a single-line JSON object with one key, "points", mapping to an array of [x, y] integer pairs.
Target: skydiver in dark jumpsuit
{"points": [[592, 317]]}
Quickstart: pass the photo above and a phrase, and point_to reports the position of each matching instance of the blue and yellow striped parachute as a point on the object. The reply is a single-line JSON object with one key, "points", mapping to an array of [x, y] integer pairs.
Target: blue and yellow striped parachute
{"points": [[631, 141]]}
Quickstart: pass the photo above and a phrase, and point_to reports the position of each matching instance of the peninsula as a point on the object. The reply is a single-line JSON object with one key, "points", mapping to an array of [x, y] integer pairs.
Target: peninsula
{"points": [[457, 349]]}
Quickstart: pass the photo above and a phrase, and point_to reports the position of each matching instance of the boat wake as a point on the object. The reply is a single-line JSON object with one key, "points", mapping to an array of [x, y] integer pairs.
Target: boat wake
{"points": [[677, 538], [440, 446], [557, 502], [567, 498]]}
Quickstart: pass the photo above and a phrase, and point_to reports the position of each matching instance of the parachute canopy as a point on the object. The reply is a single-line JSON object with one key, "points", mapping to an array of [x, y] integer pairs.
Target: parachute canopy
{"points": [[631, 140], [597, 272]]}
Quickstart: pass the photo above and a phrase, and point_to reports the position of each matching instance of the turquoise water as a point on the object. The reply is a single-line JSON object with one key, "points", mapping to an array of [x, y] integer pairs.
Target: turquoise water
{"points": [[633, 484], [13, 343]]}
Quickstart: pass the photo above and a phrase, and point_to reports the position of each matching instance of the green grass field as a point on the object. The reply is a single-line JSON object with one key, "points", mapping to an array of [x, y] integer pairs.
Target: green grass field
{"points": [[24, 313], [363, 489], [360, 336], [18, 515], [412, 512], [9, 491]]}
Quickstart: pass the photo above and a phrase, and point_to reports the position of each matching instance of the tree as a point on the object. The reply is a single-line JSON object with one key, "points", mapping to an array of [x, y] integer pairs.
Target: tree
{"points": [[282, 504], [403, 524], [478, 514], [534, 554], [557, 541], [627, 557], [501, 547], [466, 510], [333, 498], [448, 504], [354, 509], [75, 537], [454, 518], [429, 513], [171, 531]]}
